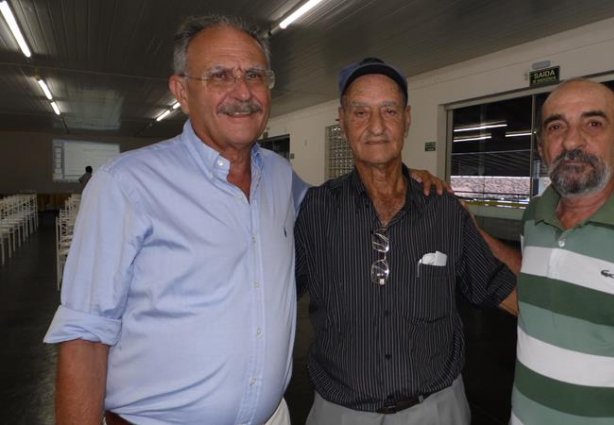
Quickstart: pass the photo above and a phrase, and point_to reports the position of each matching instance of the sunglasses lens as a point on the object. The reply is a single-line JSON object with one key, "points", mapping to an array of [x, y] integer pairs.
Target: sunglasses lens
{"points": [[380, 271], [380, 242]]}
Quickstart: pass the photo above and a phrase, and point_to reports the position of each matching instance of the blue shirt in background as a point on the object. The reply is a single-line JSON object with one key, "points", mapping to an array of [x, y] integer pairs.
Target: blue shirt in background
{"points": [[189, 282]]}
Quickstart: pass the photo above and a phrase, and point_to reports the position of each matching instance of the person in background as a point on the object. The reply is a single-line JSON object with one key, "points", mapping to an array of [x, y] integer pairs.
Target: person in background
{"points": [[178, 299], [85, 177], [382, 264], [565, 357]]}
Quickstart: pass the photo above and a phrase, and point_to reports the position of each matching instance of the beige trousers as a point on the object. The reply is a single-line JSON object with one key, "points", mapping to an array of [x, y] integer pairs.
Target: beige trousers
{"points": [[446, 407]]}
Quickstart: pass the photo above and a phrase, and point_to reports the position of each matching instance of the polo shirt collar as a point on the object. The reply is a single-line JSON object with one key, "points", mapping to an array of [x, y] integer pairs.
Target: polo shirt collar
{"points": [[545, 209]]}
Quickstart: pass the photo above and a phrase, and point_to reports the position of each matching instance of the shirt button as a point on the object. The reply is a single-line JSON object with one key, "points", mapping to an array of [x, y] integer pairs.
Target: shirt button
{"points": [[252, 382], [388, 356], [256, 285], [258, 331], [561, 243], [220, 163]]}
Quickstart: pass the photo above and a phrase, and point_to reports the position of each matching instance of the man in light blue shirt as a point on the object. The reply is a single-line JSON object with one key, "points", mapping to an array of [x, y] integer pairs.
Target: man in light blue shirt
{"points": [[178, 299]]}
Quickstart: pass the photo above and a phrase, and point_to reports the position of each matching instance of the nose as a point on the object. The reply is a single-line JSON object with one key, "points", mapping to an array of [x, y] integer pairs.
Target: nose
{"points": [[574, 138], [240, 89], [376, 123]]}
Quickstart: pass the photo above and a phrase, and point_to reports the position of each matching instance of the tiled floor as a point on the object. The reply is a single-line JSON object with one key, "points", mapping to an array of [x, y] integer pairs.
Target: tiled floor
{"points": [[28, 300]]}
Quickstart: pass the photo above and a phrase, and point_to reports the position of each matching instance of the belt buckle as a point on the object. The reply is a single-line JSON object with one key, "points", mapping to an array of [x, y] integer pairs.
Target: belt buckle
{"points": [[388, 409], [397, 406]]}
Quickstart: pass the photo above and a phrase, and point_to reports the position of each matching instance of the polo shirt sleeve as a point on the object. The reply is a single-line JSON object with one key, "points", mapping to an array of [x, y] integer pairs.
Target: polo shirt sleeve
{"points": [[526, 216], [108, 234], [483, 279]]}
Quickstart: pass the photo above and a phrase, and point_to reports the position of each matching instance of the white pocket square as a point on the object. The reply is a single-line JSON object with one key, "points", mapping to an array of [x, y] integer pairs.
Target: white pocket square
{"points": [[434, 259]]}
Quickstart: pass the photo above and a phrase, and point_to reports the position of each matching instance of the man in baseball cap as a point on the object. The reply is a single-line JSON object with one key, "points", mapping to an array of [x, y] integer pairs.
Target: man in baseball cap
{"points": [[382, 263]]}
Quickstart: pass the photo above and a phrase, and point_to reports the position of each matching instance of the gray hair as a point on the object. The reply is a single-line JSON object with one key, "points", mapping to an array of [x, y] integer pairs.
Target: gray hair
{"points": [[195, 24]]}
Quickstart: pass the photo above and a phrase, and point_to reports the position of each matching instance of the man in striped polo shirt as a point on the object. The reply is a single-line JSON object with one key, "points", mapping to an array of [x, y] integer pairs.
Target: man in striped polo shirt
{"points": [[565, 368]]}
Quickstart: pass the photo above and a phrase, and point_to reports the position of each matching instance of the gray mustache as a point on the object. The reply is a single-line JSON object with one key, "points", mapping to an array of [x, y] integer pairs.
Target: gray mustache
{"points": [[248, 107], [576, 155]]}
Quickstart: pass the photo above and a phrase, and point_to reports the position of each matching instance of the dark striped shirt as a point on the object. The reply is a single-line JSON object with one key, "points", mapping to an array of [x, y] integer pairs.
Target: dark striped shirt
{"points": [[376, 344]]}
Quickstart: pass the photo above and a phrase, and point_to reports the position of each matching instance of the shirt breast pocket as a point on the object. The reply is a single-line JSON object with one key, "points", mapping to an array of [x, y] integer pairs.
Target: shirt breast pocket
{"points": [[433, 293]]}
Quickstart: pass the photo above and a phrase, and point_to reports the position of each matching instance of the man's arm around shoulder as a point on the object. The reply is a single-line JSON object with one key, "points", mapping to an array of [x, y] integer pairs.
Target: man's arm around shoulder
{"points": [[81, 382], [512, 258]]}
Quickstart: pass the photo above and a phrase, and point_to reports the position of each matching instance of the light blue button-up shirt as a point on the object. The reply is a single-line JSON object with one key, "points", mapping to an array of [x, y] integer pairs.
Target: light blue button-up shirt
{"points": [[191, 284]]}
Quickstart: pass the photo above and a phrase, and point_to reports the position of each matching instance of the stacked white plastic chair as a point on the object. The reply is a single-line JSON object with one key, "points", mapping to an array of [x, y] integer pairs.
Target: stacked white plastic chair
{"points": [[18, 219], [64, 224]]}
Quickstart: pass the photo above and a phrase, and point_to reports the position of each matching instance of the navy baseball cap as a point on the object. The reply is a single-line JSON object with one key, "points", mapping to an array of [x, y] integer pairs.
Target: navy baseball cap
{"points": [[370, 66]]}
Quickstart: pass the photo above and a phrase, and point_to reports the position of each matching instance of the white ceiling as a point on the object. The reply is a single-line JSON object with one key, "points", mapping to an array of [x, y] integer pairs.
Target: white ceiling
{"points": [[107, 61]]}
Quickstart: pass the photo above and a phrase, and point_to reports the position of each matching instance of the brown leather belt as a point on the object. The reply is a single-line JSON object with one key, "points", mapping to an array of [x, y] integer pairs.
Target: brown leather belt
{"points": [[114, 419], [399, 405]]}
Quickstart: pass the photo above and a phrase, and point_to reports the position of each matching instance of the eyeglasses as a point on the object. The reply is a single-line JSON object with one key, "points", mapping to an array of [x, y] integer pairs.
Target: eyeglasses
{"points": [[380, 269], [226, 78]]}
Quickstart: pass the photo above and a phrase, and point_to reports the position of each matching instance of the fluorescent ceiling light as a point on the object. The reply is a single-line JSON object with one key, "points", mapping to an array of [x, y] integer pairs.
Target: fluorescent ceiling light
{"points": [[43, 85], [12, 23], [55, 108], [175, 105], [472, 138], [518, 133], [163, 115], [483, 126], [298, 13]]}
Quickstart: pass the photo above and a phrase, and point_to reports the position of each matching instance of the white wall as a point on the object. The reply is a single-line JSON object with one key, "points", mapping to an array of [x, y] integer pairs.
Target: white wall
{"points": [[583, 51], [307, 129]]}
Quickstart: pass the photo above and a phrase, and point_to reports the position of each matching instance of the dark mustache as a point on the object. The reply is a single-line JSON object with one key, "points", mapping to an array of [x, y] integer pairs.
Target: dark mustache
{"points": [[247, 107]]}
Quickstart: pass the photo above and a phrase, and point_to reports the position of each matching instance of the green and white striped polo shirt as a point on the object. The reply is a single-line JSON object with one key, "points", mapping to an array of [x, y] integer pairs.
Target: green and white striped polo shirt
{"points": [[565, 354]]}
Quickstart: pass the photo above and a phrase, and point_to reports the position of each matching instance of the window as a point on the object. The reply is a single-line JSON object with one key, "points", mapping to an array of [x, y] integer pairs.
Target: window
{"points": [[339, 159], [279, 145], [491, 150]]}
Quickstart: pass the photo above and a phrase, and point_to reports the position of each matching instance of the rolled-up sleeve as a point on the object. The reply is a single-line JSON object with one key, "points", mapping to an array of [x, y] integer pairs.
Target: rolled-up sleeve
{"points": [[108, 234]]}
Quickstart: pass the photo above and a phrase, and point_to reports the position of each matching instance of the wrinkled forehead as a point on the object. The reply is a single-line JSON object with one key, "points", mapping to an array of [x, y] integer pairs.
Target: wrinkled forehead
{"points": [[225, 46], [374, 88], [578, 99]]}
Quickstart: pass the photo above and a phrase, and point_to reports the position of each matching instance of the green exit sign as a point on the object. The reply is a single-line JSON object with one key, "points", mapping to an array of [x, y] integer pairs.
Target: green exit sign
{"points": [[429, 146], [545, 76]]}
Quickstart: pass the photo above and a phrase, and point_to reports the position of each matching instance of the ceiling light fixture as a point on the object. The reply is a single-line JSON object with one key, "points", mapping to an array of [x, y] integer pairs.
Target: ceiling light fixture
{"points": [[45, 88], [472, 138], [12, 23], [163, 115], [298, 13], [482, 126], [55, 108], [520, 133]]}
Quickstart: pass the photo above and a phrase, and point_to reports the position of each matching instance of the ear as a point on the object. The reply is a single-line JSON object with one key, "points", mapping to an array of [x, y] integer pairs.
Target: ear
{"points": [[407, 119], [177, 86], [340, 112]]}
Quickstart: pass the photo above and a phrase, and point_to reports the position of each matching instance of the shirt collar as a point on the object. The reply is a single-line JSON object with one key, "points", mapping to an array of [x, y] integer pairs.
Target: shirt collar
{"points": [[211, 160], [545, 209]]}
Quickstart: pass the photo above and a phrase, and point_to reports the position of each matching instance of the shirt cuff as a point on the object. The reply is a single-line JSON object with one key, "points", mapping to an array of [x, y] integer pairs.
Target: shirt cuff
{"points": [[70, 324]]}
